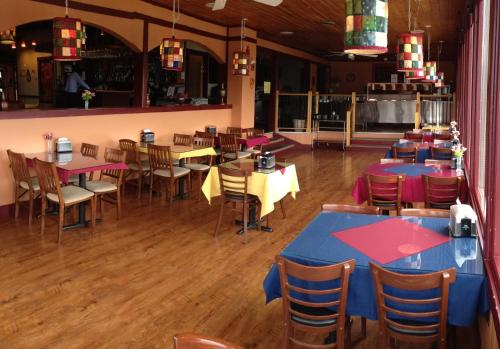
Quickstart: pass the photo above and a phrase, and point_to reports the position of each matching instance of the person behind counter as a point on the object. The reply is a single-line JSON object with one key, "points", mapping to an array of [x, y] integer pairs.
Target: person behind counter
{"points": [[72, 87]]}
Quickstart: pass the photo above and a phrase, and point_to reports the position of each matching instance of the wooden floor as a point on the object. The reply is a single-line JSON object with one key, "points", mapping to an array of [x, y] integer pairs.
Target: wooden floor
{"points": [[158, 271]]}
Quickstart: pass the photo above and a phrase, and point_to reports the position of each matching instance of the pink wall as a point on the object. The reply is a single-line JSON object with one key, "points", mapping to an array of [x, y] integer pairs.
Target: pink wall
{"points": [[26, 135]]}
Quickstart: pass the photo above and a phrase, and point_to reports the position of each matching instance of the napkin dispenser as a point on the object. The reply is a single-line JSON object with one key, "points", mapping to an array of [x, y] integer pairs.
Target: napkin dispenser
{"points": [[147, 136], [63, 145], [211, 129], [266, 160], [463, 221]]}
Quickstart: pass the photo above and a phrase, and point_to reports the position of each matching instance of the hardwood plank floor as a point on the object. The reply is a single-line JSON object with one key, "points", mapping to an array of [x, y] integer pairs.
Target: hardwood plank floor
{"points": [[158, 271]]}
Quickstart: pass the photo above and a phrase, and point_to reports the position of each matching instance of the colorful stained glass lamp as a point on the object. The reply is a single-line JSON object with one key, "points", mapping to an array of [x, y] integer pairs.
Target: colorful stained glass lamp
{"points": [[69, 39], [414, 74], [241, 58], [366, 26], [430, 71], [172, 54], [410, 56]]}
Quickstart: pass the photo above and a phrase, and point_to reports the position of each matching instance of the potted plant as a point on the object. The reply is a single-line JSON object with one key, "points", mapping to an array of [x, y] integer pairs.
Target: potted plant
{"points": [[87, 96]]}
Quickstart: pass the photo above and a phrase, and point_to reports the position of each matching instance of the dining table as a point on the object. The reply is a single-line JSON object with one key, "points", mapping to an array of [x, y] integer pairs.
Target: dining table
{"points": [[408, 245], [74, 163], [423, 149], [182, 153], [270, 185], [253, 141], [413, 184]]}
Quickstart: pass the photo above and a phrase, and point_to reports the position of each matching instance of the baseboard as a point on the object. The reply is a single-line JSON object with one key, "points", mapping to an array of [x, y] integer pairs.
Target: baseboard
{"points": [[6, 212]]}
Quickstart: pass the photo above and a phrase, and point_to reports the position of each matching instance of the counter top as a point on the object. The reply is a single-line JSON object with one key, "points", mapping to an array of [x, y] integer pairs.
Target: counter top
{"points": [[50, 113]]}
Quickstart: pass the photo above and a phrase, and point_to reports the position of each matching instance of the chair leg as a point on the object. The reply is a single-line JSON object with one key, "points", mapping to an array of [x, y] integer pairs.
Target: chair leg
{"points": [[16, 214], [31, 203], [171, 187], [282, 205], [61, 222], [93, 212], [245, 222], [44, 208], [199, 176], [139, 185], [118, 205], [363, 327], [219, 220], [151, 180]]}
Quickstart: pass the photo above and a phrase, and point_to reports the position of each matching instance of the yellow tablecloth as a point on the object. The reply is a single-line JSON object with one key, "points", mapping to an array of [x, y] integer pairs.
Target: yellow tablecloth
{"points": [[183, 152], [268, 187]]}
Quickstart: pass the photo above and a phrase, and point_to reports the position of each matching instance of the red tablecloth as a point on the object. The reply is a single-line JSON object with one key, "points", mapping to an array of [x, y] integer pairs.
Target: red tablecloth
{"points": [[413, 185], [251, 142]]}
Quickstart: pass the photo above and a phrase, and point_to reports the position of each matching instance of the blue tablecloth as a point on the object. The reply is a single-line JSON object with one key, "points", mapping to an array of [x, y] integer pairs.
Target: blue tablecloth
{"points": [[422, 154], [316, 246]]}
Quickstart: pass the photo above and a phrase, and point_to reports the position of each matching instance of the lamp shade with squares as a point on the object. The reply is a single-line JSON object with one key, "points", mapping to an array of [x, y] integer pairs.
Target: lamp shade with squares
{"points": [[172, 54], [430, 69], [440, 79], [410, 55], [414, 74], [8, 37], [69, 39], [366, 26], [240, 63]]}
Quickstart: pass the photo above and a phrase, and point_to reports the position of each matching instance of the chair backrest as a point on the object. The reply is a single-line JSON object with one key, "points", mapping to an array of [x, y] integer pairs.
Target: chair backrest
{"points": [[48, 178], [414, 136], [405, 152], [197, 341], [332, 283], [351, 209], [181, 139], [159, 157], [441, 192], [130, 147], [234, 131], [385, 191], [200, 142], [228, 143], [90, 150], [396, 161], [425, 299], [203, 134], [431, 162], [442, 135], [425, 212], [233, 183], [19, 168], [114, 155], [441, 153], [252, 132]]}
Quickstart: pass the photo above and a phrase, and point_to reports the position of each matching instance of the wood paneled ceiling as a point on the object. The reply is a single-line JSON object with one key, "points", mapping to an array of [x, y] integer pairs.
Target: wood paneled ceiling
{"points": [[305, 18]]}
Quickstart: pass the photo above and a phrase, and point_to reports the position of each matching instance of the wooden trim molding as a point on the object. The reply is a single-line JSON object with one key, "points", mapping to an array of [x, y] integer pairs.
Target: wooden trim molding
{"points": [[54, 113]]}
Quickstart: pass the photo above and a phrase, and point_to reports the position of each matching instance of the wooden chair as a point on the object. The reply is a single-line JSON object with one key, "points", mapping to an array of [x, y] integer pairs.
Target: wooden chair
{"points": [[433, 162], [23, 183], [445, 136], [109, 191], [397, 161], [253, 132], [441, 192], [351, 209], [398, 315], [385, 192], [160, 161], [203, 134], [181, 139], [65, 197], [234, 190], [136, 165], [202, 165], [425, 212], [405, 153], [197, 341], [238, 131], [414, 136], [230, 149], [86, 149], [441, 153], [323, 315]]}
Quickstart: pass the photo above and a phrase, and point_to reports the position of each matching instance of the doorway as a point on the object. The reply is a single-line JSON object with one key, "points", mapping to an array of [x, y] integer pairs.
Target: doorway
{"points": [[195, 75]]}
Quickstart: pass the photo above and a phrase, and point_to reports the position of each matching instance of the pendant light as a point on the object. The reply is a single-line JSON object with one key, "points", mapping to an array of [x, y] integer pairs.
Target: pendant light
{"points": [[241, 58], [8, 37], [366, 26], [172, 49], [409, 50], [440, 74], [430, 67], [69, 38], [414, 75]]}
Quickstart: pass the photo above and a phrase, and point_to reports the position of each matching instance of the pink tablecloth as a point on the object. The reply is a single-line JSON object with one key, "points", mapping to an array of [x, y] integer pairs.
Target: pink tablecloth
{"points": [[253, 141], [413, 185]]}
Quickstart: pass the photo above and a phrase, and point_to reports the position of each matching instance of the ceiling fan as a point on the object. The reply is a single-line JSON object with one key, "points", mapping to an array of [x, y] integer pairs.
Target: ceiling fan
{"points": [[350, 56], [220, 4]]}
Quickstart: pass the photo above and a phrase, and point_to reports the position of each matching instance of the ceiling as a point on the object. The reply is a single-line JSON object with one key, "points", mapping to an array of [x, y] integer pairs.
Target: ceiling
{"points": [[305, 17]]}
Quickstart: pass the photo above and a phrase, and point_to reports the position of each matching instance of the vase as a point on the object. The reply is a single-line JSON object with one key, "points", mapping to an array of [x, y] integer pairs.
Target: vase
{"points": [[457, 163], [86, 104], [49, 146]]}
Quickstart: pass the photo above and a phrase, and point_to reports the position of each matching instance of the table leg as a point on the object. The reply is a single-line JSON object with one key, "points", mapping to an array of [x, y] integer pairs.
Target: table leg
{"points": [[182, 194], [252, 223], [81, 223]]}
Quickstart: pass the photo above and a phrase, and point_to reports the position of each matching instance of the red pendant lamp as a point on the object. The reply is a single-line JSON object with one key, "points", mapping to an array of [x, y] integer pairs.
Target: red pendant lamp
{"points": [[172, 49], [68, 38], [409, 51], [241, 58]]}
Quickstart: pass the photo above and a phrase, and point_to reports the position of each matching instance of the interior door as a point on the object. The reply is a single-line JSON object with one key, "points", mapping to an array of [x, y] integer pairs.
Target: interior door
{"points": [[195, 76], [46, 80]]}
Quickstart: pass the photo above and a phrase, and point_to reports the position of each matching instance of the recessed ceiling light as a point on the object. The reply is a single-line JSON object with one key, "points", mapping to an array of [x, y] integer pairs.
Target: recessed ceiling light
{"points": [[286, 33], [428, 26], [328, 22], [210, 4]]}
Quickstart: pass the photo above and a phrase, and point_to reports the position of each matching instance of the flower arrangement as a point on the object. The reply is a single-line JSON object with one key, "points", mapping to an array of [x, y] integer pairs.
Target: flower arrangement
{"points": [[453, 126], [87, 95], [48, 136], [458, 150]]}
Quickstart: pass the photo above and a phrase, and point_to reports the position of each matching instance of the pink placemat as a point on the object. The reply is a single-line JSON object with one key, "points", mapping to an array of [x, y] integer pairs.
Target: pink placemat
{"points": [[251, 142], [390, 239]]}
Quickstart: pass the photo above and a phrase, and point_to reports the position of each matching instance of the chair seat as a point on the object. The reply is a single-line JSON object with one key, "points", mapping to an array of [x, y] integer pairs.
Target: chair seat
{"points": [[312, 311], [34, 182], [71, 194], [197, 167], [101, 186], [241, 155], [412, 332], [178, 172], [134, 167]]}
